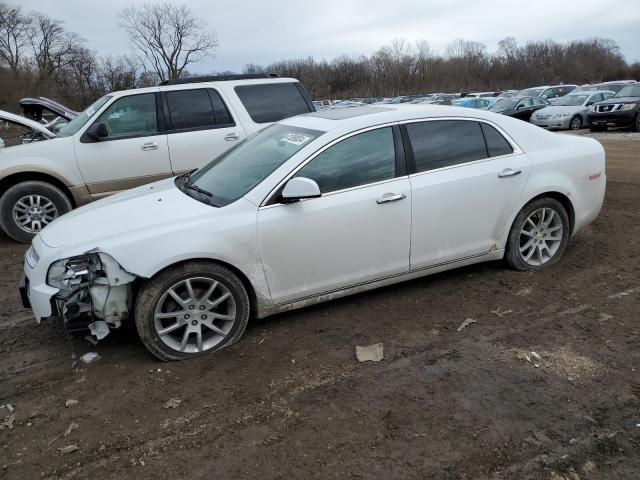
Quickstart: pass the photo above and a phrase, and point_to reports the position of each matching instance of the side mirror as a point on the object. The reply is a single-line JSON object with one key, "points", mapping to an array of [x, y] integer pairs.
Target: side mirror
{"points": [[519, 107], [98, 131], [299, 188]]}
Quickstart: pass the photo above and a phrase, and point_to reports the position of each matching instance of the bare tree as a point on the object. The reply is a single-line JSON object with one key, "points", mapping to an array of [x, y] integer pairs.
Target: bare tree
{"points": [[14, 35], [167, 37], [52, 45]]}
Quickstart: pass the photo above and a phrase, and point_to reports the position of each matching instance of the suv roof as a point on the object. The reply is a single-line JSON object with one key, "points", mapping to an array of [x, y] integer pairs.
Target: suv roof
{"points": [[218, 78]]}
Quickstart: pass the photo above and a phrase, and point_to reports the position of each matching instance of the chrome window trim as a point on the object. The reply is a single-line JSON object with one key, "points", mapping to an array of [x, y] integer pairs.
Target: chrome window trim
{"points": [[318, 152]]}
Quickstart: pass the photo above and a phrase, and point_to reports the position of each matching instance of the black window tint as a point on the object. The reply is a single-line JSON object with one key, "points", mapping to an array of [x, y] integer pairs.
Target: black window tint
{"points": [[444, 143], [271, 102], [496, 143], [223, 117], [190, 109], [365, 158]]}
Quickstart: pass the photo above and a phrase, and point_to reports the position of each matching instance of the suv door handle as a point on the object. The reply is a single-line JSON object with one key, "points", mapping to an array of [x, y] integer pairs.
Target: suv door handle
{"points": [[150, 146], [230, 137], [509, 172], [390, 197]]}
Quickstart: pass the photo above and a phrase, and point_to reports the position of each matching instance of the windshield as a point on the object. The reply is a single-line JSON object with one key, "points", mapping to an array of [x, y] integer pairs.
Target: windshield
{"points": [[629, 91], [571, 100], [504, 104], [530, 92], [77, 123], [235, 173]]}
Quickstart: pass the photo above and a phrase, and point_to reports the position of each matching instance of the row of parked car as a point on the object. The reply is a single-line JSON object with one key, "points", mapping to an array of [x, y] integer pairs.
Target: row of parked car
{"points": [[573, 107]]}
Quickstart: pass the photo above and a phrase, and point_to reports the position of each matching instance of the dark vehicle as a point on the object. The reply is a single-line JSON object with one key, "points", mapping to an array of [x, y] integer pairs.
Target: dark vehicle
{"points": [[621, 110], [47, 112], [519, 107]]}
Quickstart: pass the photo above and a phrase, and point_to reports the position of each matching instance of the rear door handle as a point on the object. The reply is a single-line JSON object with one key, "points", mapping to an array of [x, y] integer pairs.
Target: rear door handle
{"points": [[230, 137], [509, 172], [150, 146], [390, 197]]}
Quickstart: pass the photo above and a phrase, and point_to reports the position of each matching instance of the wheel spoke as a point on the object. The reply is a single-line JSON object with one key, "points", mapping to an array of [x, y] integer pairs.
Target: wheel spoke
{"points": [[527, 245], [554, 228], [209, 324], [226, 318], [218, 300], [170, 314], [199, 338], [208, 293], [170, 328], [176, 297], [525, 233], [550, 218], [185, 338]]}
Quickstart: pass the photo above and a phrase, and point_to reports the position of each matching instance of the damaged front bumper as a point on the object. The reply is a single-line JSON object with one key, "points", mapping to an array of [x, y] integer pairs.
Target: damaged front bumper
{"points": [[89, 287]]}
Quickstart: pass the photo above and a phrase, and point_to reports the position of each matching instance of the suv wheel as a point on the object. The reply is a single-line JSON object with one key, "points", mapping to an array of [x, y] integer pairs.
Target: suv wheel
{"points": [[538, 236], [27, 207], [636, 124], [191, 309]]}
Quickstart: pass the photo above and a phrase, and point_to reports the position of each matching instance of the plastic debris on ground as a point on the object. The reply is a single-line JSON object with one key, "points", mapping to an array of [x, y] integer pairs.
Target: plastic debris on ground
{"points": [[89, 357], [99, 329], [370, 353], [466, 323]]}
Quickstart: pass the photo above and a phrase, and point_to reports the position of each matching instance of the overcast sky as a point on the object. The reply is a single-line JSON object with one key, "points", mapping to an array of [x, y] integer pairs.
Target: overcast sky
{"points": [[262, 31]]}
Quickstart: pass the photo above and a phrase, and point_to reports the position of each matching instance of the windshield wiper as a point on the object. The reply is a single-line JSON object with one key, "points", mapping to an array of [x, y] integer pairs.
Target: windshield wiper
{"points": [[196, 188], [186, 174]]}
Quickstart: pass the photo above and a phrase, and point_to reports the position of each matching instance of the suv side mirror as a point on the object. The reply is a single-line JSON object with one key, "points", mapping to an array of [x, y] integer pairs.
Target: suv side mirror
{"points": [[299, 188], [98, 131]]}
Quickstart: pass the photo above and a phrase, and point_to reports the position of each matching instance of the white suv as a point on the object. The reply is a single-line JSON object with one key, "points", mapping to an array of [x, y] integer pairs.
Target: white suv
{"points": [[134, 137]]}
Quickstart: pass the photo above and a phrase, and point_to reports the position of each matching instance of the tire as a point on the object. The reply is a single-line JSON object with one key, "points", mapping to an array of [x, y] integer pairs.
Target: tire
{"points": [[636, 124], [35, 202], [575, 123], [521, 245], [154, 299]]}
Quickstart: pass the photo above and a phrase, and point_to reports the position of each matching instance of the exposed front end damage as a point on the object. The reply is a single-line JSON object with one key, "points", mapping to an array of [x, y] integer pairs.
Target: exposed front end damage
{"points": [[94, 290]]}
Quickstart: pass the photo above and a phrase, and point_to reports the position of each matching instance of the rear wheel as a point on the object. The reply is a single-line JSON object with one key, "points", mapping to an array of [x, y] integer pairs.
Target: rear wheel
{"points": [[636, 124], [27, 207], [538, 236], [191, 309], [576, 123]]}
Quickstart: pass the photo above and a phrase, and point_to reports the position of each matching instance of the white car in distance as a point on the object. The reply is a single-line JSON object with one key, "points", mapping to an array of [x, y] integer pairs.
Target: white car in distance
{"points": [[312, 208]]}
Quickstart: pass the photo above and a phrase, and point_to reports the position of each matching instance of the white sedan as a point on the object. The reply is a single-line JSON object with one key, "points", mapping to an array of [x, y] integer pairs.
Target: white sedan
{"points": [[313, 208]]}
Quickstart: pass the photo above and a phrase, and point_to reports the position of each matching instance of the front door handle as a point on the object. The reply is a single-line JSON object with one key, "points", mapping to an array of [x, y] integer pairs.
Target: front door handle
{"points": [[509, 172], [390, 197], [150, 146], [230, 137]]}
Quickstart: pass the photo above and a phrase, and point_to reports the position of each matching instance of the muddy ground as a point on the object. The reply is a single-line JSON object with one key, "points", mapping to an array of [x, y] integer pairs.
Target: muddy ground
{"points": [[291, 401]]}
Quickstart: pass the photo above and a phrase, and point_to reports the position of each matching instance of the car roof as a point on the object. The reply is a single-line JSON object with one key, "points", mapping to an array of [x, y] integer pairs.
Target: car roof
{"points": [[589, 92], [185, 86]]}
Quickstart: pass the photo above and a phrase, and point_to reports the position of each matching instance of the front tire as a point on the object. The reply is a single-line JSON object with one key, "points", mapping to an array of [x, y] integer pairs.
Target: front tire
{"points": [[27, 207], [576, 123], [190, 310], [538, 236], [636, 124]]}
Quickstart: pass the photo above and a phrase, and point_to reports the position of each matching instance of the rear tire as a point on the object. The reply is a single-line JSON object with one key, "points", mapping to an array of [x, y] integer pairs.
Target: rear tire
{"points": [[538, 236], [27, 207], [176, 318]]}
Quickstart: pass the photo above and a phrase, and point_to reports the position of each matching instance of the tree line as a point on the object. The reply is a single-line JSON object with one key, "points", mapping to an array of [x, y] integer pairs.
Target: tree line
{"points": [[39, 56]]}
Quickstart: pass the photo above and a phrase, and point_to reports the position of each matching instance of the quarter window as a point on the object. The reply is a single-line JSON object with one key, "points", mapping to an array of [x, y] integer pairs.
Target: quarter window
{"points": [[132, 116], [444, 143], [270, 102], [496, 144], [197, 109], [359, 160]]}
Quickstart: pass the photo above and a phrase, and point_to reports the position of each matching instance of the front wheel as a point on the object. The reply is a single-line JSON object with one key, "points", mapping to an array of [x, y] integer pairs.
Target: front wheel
{"points": [[538, 236], [191, 309], [27, 207], [576, 123], [636, 124]]}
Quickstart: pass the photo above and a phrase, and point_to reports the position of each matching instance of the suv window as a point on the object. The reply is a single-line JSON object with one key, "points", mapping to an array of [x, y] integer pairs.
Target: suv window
{"points": [[364, 158], [131, 116], [270, 102], [197, 109], [496, 144], [443, 143], [538, 101], [549, 93]]}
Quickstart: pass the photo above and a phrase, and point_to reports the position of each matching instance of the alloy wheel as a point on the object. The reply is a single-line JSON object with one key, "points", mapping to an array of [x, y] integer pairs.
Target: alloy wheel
{"points": [[540, 236], [195, 315], [576, 123], [34, 212]]}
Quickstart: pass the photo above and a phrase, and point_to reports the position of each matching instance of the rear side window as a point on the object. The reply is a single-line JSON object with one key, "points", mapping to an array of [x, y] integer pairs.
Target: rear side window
{"points": [[496, 144], [444, 143], [197, 109], [359, 160], [270, 102]]}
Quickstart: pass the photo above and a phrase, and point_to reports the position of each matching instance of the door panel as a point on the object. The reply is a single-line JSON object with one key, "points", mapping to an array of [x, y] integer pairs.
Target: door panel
{"points": [[335, 241], [133, 154], [463, 210]]}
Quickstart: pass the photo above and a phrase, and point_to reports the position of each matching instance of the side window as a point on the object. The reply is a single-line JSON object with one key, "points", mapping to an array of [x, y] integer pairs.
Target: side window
{"points": [[607, 95], [131, 116], [190, 109], [538, 101], [443, 143], [223, 117], [595, 98], [364, 158], [496, 144], [270, 102], [527, 102], [548, 93]]}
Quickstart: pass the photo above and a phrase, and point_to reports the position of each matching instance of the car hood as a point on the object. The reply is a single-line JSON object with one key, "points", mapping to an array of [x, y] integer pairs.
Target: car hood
{"points": [[614, 100], [26, 122], [556, 109], [137, 212]]}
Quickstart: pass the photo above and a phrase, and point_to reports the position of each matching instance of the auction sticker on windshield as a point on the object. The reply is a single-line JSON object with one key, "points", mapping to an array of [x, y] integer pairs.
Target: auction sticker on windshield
{"points": [[295, 139]]}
